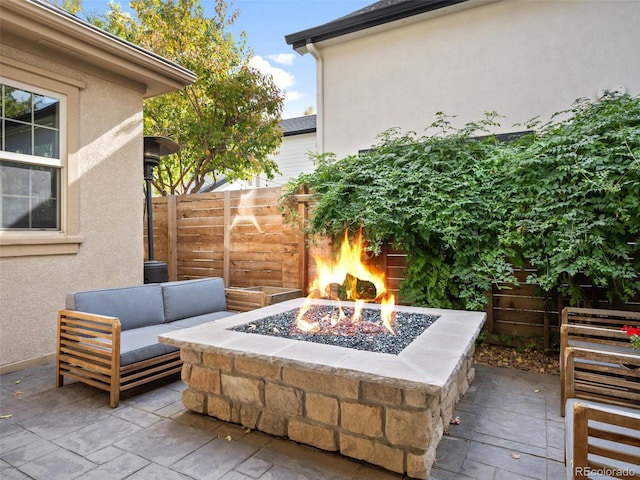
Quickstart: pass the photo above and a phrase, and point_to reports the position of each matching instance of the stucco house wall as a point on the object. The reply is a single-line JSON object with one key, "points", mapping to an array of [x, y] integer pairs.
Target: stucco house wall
{"points": [[520, 58], [100, 243]]}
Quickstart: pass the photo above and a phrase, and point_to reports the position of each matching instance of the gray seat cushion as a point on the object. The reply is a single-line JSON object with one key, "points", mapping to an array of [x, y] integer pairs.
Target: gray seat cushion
{"points": [[137, 306], [142, 343], [200, 319], [183, 299], [622, 348]]}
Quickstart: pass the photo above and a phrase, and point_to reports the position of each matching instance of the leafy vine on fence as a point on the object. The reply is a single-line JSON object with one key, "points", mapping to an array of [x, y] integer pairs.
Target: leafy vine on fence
{"points": [[469, 209]]}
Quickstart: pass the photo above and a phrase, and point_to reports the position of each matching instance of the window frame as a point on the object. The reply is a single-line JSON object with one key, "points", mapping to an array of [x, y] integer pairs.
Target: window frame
{"points": [[36, 160], [67, 239]]}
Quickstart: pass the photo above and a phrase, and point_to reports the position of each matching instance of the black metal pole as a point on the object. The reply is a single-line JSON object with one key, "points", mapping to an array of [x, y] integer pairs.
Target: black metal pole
{"points": [[154, 148], [148, 172]]}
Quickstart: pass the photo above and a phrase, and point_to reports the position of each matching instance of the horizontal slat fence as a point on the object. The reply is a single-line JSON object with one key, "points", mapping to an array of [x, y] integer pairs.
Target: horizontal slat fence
{"points": [[242, 237]]}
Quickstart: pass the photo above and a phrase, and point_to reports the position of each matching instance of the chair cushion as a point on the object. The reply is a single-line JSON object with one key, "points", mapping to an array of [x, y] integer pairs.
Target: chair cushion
{"points": [[142, 343], [190, 298], [625, 347], [621, 348], [200, 319], [137, 306]]}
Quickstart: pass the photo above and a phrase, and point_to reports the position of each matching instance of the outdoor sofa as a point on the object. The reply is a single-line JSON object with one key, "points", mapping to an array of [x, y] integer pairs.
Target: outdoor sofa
{"points": [[109, 338]]}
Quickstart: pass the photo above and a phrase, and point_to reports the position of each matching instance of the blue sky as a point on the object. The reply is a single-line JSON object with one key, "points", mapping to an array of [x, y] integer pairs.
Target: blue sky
{"points": [[266, 22]]}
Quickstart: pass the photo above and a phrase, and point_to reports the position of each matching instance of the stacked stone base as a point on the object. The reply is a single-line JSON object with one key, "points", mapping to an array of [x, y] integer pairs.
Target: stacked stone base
{"points": [[391, 426]]}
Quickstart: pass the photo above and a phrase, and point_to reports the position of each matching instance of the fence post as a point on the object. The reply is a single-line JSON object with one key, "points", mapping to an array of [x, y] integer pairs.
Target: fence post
{"points": [[303, 266], [226, 260], [488, 308], [172, 237]]}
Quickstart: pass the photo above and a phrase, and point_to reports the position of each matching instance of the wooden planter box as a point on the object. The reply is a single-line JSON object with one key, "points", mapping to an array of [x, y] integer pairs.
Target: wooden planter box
{"points": [[243, 299]]}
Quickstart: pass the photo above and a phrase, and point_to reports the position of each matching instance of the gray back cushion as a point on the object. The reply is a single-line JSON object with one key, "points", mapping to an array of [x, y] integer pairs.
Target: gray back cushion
{"points": [[138, 306], [188, 298]]}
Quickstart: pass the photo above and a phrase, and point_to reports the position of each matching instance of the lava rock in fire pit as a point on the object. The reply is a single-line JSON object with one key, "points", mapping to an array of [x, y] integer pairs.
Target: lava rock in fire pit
{"points": [[368, 334]]}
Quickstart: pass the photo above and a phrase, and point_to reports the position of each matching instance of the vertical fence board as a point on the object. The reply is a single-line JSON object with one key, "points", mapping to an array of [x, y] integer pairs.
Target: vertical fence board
{"points": [[226, 247], [172, 237]]}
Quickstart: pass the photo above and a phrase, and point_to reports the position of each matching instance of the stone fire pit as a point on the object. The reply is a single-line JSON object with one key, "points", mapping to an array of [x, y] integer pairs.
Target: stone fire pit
{"points": [[389, 410]]}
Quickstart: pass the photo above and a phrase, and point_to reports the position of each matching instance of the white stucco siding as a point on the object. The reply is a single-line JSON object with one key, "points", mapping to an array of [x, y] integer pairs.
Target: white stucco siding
{"points": [[293, 158], [520, 58], [108, 167]]}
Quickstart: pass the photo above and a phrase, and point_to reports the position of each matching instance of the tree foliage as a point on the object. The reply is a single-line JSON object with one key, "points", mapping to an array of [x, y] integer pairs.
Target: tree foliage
{"points": [[469, 209], [228, 121]]}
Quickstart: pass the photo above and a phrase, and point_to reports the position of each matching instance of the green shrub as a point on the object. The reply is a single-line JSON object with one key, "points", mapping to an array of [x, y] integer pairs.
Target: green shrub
{"points": [[466, 208], [574, 189]]}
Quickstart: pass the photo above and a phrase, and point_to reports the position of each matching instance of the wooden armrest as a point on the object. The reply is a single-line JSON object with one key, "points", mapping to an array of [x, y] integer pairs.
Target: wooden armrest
{"points": [[604, 356], [600, 375], [590, 337], [89, 351], [608, 331], [88, 340], [239, 300], [602, 439], [600, 337], [82, 326], [614, 319]]}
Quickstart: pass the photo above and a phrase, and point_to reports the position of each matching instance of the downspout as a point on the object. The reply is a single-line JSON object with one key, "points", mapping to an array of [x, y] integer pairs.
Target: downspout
{"points": [[319, 96]]}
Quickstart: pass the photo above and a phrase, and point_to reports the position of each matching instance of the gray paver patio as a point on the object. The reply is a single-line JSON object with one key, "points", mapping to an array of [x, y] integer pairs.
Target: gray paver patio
{"points": [[510, 428]]}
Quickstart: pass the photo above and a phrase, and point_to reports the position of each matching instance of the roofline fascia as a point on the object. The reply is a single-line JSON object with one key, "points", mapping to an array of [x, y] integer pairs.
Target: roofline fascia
{"points": [[356, 23], [299, 132], [90, 35]]}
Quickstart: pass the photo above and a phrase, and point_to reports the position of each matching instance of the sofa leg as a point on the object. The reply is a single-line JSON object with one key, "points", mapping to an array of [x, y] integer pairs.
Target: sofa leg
{"points": [[59, 376], [114, 398]]}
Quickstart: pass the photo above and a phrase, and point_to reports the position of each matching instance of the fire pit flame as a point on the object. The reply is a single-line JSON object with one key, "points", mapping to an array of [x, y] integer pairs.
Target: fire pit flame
{"points": [[329, 272]]}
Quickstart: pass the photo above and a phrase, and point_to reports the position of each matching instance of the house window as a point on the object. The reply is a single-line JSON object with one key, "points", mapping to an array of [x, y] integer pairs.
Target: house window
{"points": [[31, 158]]}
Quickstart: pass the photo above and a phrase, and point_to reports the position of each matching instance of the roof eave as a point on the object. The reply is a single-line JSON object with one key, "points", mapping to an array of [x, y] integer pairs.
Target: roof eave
{"points": [[299, 132], [49, 25], [353, 24]]}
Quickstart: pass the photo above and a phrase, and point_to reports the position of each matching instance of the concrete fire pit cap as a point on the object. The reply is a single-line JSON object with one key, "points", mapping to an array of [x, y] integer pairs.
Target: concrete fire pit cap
{"points": [[426, 364]]}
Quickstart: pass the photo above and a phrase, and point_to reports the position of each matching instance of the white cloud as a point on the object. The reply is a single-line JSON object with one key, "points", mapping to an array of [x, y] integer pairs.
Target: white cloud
{"points": [[292, 96], [281, 78], [282, 58]]}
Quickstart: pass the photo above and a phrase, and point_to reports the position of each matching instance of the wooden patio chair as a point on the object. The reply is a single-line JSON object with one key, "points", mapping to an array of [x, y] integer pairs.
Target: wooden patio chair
{"points": [[597, 360], [608, 377], [601, 441]]}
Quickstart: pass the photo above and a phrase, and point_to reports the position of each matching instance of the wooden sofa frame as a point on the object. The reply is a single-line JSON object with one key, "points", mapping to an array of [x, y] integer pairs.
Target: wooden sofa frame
{"points": [[88, 351], [597, 361], [610, 448]]}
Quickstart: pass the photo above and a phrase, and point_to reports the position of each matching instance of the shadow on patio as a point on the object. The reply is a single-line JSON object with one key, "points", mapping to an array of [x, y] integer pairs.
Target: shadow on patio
{"points": [[510, 428]]}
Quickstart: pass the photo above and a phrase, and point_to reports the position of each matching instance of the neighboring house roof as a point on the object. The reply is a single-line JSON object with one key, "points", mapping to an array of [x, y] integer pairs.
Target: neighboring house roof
{"points": [[298, 125], [210, 186], [45, 24]]}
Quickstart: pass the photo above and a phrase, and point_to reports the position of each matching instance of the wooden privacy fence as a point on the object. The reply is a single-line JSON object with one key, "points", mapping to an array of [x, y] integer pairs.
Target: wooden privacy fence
{"points": [[238, 235], [242, 237]]}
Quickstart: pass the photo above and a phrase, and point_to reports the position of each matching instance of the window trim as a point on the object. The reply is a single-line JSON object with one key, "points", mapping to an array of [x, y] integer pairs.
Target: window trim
{"points": [[38, 160], [68, 239]]}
